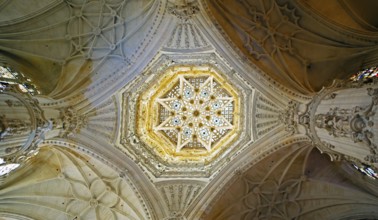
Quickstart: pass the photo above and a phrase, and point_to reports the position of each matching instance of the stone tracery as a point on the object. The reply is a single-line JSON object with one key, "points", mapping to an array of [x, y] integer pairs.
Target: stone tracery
{"points": [[74, 187], [151, 132], [281, 189], [273, 116], [200, 111], [88, 35], [277, 37]]}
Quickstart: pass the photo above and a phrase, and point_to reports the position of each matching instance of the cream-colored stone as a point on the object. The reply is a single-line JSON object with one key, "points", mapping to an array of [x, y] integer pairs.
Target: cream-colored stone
{"points": [[100, 66]]}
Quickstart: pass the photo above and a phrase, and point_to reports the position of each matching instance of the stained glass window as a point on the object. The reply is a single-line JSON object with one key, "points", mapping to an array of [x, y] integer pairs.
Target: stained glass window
{"points": [[365, 75], [366, 170], [7, 168], [24, 84]]}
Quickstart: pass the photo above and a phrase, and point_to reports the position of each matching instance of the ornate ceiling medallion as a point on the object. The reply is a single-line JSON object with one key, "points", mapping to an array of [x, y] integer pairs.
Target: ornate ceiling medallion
{"points": [[190, 113], [186, 116], [195, 113]]}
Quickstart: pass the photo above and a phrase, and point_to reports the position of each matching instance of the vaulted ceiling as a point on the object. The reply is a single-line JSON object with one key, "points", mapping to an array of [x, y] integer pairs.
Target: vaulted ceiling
{"points": [[99, 63]]}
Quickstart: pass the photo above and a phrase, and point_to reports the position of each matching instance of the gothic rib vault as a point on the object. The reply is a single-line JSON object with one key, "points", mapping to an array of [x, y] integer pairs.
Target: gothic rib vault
{"points": [[191, 109]]}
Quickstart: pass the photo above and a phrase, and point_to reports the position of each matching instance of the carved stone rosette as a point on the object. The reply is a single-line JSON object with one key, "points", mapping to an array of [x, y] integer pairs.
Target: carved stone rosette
{"points": [[183, 10], [23, 127], [341, 121], [71, 122]]}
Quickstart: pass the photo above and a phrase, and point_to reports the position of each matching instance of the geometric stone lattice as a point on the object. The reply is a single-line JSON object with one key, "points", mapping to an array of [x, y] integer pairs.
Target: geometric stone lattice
{"points": [[188, 113], [195, 113], [96, 28]]}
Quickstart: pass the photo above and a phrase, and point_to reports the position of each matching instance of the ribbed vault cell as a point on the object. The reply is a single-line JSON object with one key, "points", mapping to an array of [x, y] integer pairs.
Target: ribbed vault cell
{"points": [[60, 183], [296, 182]]}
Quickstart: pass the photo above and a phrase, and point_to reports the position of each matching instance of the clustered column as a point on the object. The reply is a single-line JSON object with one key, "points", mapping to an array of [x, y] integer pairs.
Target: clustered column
{"points": [[342, 121], [22, 127]]}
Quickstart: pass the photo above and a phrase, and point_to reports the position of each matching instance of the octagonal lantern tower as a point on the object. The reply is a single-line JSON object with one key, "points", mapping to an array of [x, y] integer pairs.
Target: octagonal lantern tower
{"points": [[190, 113], [186, 115]]}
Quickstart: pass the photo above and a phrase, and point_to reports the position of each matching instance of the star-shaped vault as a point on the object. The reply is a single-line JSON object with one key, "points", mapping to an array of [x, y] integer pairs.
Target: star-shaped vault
{"points": [[187, 115], [195, 113]]}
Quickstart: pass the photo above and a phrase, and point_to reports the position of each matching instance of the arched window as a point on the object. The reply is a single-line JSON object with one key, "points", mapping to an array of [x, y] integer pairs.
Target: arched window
{"points": [[7, 168], [366, 170], [24, 84]]}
